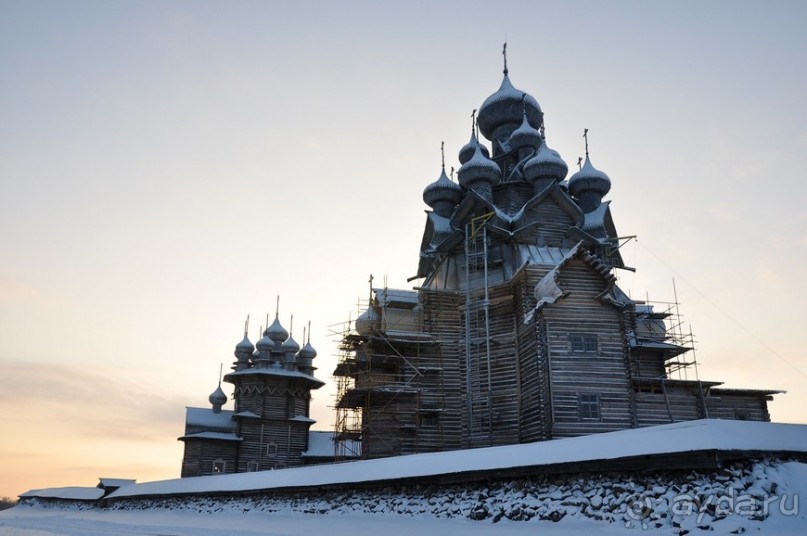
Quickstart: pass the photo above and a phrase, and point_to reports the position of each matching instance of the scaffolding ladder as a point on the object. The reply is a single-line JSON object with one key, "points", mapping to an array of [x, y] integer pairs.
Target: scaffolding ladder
{"points": [[479, 411]]}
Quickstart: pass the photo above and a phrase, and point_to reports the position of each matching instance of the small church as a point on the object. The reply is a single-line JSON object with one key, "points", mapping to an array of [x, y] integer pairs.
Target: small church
{"points": [[269, 427], [515, 329]]}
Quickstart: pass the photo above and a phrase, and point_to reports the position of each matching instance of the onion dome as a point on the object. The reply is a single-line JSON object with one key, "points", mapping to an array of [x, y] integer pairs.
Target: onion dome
{"points": [[305, 357], [505, 108], [265, 344], [217, 397], [307, 351], [589, 185], [290, 346], [546, 164], [468, 149], [276, 332], [244, 349], [525, 136], [478, 168], [368, 321], [442, 194]]}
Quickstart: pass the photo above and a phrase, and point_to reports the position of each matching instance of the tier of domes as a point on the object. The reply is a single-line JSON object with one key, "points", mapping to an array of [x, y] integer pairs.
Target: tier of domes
{"points": [[276, 348], [513, 121]]}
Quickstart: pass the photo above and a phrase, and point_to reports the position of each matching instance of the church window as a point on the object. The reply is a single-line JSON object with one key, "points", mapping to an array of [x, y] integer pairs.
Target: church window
{"points": [[271, 450], [588, 406], [583, 343]]}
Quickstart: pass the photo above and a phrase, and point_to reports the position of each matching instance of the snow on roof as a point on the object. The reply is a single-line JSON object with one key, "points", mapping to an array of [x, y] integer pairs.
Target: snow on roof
{"points": [[302, 418], [74, 493], [543, 255], [205, 418], [247, 414], [115, 482], [275, 371], [596, 218], [393, 295], [707, 434], [320, 445], [212, 435]]}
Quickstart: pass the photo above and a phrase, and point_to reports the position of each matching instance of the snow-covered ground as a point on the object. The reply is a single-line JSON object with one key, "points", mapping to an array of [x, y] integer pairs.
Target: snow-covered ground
{"points": [[24, 521], [761, 496], [752, 497]]}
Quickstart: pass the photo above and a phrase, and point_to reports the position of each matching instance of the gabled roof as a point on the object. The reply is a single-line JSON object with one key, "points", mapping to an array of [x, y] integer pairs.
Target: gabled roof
{"points": [[512, 225], [548, 290], [206, 418]]}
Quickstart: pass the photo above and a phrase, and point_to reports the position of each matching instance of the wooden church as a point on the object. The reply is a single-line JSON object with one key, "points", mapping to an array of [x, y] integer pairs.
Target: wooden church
{"points": [[269, 427], [517, 330]]}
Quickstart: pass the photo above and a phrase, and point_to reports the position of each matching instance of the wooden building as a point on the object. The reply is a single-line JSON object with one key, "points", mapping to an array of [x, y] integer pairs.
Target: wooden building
{"points": [[269, 427], [517, 330]]}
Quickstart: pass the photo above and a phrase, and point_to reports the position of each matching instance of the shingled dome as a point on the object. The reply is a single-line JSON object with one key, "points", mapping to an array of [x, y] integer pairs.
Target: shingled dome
{"points": [[244, 348], [217, 397], [468, 149], [525, 135], [478, 168], [504, 107], [546, 163], [443, 189], [276, 332], [307, 351], [290, 346], [589, 179]]}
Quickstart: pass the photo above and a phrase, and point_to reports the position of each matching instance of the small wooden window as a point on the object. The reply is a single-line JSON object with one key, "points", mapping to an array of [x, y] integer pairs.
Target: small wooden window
{"points": [[252, 466], [584, 343], [219, 467], [588, 406], [271, 450], [428, 419]]}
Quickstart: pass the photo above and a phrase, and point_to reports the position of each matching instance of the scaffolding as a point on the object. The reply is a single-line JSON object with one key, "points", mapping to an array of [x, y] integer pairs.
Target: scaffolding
{"points": [[389, 396], [347, 427], [680, 337], [479, 408]]}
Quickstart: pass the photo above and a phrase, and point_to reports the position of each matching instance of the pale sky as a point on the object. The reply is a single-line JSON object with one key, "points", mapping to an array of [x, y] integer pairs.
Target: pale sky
{"points": [[167, 168]]}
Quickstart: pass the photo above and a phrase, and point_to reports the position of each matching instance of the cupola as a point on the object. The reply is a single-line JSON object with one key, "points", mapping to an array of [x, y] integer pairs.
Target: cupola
{"points": [[479, 174], [589, 185], [546, 165], [501, 113], [443, 194], [217, 399], [526, 138]]}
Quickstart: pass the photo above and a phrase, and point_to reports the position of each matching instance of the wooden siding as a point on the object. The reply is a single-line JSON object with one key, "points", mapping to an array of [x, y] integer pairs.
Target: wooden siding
{"points": [[201, 454], [750, 407], [603, 372]]}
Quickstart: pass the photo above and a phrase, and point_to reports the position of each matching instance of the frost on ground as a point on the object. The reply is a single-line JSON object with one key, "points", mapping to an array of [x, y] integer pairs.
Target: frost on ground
{"points": [[742, 498]]}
